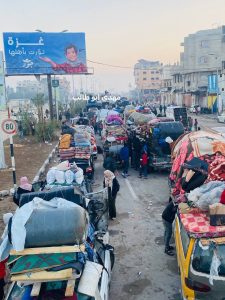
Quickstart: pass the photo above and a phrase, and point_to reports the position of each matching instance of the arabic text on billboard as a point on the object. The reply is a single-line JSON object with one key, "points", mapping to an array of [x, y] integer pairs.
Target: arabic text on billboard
{"points": [[44, 53]]}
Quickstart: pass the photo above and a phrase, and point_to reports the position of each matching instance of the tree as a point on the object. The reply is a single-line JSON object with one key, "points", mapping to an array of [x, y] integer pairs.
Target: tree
{"points": [[39, 102]]}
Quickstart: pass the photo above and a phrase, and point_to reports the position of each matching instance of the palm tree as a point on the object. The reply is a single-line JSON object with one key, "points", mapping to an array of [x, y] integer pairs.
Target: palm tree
{"points": [[39, 102]]}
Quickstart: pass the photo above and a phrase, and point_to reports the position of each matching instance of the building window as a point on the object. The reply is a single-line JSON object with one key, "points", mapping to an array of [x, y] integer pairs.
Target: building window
{"points": [[157, 72], [204, 44], [153, 83], [144, 72], [203, 59], [152, 72], [157, 78], [152, 78], [144, 78]]}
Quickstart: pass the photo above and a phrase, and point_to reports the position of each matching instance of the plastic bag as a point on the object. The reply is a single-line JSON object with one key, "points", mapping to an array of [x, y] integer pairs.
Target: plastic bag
{"points": [[214, 267], [69, 176], [50, 176], [60, 176], [79, 176]]}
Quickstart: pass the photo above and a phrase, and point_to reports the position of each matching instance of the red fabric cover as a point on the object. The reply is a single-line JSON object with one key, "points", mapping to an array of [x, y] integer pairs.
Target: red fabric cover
{"points": [[3, 268], [222, 197], [217, 169], [198, 226]]}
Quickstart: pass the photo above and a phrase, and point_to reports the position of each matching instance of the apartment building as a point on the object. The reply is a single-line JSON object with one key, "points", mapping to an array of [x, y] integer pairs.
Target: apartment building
{"points": [[203, 56], [148, 78]]}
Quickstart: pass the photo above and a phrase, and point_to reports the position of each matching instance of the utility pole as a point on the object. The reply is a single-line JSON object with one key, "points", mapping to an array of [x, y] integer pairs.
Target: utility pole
{"points": [[49, 80]]}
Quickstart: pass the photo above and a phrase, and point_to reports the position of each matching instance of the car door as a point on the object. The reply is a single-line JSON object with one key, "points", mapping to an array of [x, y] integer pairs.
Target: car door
{"points": [[184, 246]]}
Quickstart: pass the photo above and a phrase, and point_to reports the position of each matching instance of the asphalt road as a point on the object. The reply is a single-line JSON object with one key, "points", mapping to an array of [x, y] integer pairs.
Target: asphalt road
{"points": [[142, 270]]}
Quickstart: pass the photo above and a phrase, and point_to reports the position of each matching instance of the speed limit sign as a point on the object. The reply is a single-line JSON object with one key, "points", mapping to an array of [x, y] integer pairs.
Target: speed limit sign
{"points": [[9, 126]]}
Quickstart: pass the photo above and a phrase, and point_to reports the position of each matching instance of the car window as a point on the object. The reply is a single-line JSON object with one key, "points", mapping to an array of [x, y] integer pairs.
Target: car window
{"points": [[202, 258], [184, 239]]}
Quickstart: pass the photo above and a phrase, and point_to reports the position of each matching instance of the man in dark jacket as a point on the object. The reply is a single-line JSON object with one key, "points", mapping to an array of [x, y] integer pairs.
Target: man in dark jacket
{"points": [[109, 163], [124, 156], [168, 217], [136, 152]]}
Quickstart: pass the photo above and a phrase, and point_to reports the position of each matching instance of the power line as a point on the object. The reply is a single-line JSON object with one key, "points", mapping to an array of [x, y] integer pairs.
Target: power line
{"points": [[108, 65]]}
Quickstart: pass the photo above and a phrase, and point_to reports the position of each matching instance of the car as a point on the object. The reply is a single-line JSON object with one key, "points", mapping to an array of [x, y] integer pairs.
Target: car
{"points": [[221, 118], [195, 257]]}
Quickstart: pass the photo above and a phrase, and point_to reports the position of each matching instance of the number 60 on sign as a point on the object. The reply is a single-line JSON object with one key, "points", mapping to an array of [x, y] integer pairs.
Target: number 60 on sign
{"points": [[9, 126]]}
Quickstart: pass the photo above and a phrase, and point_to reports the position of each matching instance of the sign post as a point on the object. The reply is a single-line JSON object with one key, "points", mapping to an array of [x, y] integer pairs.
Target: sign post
{"points": [[2, 153], [9, 126], [55, 85]]}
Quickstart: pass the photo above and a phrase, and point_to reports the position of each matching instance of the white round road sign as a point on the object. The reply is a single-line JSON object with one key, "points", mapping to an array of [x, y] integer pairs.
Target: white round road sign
{"points": [[9, 126]]}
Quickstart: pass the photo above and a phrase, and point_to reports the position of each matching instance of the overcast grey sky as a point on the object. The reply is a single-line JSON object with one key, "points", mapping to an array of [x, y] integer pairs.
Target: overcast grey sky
{"points": [[118, 32]]}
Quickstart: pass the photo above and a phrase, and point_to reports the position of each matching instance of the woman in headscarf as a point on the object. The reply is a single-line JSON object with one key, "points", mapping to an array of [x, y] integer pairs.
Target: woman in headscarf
{"points": [[25, 187], [113, 186]]}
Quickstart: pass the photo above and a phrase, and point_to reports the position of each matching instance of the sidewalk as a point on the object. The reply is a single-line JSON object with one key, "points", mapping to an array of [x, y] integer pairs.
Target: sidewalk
{"points": [[29, 157]]}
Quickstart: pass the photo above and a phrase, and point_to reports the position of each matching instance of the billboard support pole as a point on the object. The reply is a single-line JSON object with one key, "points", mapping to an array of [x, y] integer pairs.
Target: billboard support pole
{"points": [[50, 96]]}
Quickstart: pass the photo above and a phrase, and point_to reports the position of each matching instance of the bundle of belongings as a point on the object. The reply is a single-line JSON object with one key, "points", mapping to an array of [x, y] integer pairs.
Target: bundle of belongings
{"points": [[82, 145], [129, 109], [51, 250], [90, 134], [199, 182], [118, 132], [203, 212], [140, 119], [75, 146], [66, 147], [114, 120], [197, 157], [142, 109], [65, 174]]}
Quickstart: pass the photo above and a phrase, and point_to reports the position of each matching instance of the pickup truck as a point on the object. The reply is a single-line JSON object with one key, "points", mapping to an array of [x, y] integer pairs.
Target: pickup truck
{"points": [[160, 152]]}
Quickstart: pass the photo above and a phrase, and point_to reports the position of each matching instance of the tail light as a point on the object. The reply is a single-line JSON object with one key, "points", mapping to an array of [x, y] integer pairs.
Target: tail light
{"points": [[89, 170], [197, 286]]}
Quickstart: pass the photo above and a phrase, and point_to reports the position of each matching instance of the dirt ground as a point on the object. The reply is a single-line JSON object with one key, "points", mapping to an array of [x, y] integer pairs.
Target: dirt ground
{"points": [[29, 157]]}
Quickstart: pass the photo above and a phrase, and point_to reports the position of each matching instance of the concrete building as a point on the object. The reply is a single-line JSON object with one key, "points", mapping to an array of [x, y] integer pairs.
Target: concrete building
{"points": [[148, 78], [203, 55], [172, 85]]}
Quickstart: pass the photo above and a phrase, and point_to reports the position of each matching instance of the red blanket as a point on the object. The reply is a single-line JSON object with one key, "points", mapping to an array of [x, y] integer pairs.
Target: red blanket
{"points": [[198, 226]]}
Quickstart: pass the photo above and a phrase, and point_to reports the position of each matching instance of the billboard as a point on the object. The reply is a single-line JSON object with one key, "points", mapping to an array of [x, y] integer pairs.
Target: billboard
{"points": [[2, 84], [44, 53], [212, 84]]}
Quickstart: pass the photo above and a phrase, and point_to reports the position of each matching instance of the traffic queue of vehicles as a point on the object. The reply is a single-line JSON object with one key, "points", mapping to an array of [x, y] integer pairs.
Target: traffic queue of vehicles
{"points": [[196, 161], [59, 239]]}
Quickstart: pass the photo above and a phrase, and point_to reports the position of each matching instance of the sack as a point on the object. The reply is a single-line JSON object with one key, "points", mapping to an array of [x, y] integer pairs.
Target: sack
{"points": [[60, 176], [69, 176], [217, 214], [51, 176]]}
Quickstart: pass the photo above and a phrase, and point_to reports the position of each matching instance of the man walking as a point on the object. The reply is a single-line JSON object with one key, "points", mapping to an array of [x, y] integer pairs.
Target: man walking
{"points": [[168, 217], [124, 156]]}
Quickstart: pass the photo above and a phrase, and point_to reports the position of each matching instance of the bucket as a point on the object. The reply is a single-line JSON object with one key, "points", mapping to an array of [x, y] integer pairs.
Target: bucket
{"points": [[89, 279]]}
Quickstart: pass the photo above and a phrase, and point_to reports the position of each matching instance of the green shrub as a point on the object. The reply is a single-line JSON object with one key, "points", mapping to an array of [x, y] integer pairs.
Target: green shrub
{"points": [[46, 131]]}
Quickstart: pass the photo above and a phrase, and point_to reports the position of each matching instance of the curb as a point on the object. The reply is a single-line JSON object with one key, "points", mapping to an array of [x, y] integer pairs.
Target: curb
{"points": [[10, 192]]}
